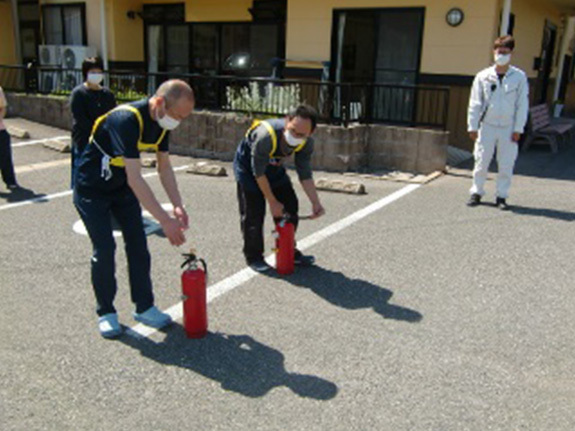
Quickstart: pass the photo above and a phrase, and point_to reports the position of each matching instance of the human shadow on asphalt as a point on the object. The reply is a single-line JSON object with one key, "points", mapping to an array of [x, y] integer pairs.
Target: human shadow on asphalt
{"points": [[543, 212], [238, 362], [21, 194], [338, 289]]}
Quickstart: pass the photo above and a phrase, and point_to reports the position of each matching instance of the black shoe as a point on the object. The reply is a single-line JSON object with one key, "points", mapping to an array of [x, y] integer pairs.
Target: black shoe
{"points": [[474, 200], [14, 186], [502, 204], [303, 260], [259, 266]]}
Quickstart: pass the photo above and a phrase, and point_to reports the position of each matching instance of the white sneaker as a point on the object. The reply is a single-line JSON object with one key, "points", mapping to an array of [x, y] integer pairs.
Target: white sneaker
{"points": [[153, 317], [109, 326]]}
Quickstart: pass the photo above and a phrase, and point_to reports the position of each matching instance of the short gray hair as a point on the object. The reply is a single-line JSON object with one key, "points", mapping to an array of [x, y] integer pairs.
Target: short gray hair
{"points": [[173, 90]]}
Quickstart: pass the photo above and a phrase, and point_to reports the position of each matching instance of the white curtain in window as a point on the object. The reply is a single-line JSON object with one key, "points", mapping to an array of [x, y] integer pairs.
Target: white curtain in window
{"points": [[339, 62], [73, 25], [154, 41]]}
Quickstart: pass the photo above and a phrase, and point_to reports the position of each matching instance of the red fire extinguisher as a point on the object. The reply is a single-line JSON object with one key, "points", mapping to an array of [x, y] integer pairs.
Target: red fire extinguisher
{"points": [[194, 281], [285, 246]]}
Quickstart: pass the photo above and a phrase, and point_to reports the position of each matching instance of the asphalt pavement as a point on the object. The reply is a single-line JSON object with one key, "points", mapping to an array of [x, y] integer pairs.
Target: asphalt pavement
{"points": [[420, 314]]}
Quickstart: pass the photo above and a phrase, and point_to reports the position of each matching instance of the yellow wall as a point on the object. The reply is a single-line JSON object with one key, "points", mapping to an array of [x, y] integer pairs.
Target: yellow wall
{"points": [[450, 50], [218, 10], [126, 40], [461, 50], [126, 36], [530, 16], [7, 51]]}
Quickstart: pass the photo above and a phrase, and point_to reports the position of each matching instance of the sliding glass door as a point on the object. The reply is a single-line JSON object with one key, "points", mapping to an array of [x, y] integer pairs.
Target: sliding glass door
{"points": [[381, 47]]}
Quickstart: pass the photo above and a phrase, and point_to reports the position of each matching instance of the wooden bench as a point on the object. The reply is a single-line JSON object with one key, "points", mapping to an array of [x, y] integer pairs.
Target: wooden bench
{"points": [[540, 127]]}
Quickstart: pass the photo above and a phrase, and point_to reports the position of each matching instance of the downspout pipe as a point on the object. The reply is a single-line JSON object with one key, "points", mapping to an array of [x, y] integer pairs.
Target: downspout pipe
{"points": [[104, 30], [505, 18], [16, 27]]}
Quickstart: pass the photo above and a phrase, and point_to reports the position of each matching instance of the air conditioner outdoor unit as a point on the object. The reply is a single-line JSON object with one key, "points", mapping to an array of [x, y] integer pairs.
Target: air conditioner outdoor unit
{"points": [[72, 58], [50, 55]]}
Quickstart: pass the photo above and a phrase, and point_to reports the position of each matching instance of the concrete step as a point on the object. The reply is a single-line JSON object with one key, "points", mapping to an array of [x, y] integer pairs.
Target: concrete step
{"points": [[205, 168], [340, 186], [17, 132], [62, 146]]}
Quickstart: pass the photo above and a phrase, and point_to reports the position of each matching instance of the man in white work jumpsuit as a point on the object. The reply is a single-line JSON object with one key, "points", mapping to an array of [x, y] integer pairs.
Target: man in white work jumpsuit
{"points": [[498, 108]]}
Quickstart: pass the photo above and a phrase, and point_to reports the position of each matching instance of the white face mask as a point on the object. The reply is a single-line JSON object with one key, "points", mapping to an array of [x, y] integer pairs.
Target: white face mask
{"points": [[95, 78], [168, 123], [502, 59], [291, 140]]}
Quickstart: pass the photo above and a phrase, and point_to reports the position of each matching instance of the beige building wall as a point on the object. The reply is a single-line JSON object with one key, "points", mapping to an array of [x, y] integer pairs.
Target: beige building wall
{"points": [[462, 50], [126, 40], [126, 36], [7, 45], [446, 50], [530, 16], [218, 10]]}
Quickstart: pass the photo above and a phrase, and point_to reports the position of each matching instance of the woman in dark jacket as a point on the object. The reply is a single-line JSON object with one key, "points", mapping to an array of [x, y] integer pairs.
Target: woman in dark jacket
{"points": [[88, 101]]}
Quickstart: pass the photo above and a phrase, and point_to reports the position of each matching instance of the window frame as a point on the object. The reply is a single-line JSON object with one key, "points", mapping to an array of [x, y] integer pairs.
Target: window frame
{"points": [[63, 6], [421, 10]]}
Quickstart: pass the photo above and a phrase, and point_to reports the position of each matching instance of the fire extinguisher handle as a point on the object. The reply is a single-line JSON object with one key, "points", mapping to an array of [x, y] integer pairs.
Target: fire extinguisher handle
{"points": [[189, 259], [205, 267]]}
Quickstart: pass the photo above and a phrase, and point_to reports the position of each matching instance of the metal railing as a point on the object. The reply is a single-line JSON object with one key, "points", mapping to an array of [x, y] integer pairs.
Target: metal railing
{"points": [[337, 103]]}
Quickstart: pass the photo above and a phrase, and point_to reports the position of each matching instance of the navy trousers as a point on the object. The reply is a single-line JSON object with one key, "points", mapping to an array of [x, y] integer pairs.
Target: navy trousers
{"points": [[6, 164], [96, 213]]}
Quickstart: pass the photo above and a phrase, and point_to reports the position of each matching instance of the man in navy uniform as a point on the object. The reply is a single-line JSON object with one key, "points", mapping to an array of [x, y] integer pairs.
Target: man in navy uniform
{"points": [[109, 182], [261, 177]]}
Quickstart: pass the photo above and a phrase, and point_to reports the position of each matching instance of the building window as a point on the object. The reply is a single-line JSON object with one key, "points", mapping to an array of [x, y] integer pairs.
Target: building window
{"points": [[231, 48], [205, 48], [64, 24], [245, 48]]}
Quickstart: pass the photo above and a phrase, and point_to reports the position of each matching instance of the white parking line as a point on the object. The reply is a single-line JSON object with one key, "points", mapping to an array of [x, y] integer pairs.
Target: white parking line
{"points": [[39, 166], [53, 196], [39, 141], [246, 274]]}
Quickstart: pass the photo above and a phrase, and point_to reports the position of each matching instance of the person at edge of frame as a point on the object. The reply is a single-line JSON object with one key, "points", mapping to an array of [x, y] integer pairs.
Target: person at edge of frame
{"points": [[498, 109], [261, 177], [109, 182], [6, 162], [88, 101]]}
